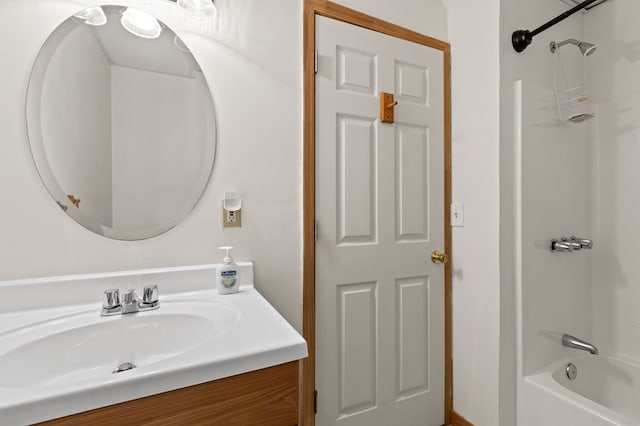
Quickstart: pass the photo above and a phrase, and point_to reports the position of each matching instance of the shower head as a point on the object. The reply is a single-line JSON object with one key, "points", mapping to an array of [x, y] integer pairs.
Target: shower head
{"points": [[585, 47]]}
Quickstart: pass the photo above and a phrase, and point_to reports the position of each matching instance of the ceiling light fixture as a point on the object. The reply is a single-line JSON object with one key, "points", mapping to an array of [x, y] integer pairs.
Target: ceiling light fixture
{"points": [[201, 9], [92, 16], [140, 24]]}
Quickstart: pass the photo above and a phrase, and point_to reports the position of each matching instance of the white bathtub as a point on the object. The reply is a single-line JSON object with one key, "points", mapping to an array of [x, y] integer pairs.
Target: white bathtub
{"points": [[606, 392]]}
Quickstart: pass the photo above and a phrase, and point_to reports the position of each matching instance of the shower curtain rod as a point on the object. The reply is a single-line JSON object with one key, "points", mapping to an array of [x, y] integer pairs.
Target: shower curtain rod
{"points": [[521, 39]]}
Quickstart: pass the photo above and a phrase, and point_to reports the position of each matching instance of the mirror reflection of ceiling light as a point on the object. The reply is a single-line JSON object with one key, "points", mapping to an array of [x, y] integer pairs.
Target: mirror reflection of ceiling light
{"points": [[140, 24], [202, 9], [92, 16]]}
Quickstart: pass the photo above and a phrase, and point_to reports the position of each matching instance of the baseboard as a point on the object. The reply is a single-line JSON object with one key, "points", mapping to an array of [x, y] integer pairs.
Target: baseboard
{"points": [[458, 420]]}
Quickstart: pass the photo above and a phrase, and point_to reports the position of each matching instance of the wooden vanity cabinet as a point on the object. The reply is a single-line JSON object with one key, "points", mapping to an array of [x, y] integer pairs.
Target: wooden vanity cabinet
{"points": [[263, 397]]}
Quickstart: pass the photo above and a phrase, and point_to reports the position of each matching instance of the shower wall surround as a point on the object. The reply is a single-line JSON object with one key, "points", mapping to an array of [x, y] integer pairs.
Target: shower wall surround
{"points": [[614, 80], [545, 181]]}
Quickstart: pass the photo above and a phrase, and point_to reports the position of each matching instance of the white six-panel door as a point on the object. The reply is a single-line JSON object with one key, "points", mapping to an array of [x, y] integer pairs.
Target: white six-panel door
{"points": [[380, 213]]}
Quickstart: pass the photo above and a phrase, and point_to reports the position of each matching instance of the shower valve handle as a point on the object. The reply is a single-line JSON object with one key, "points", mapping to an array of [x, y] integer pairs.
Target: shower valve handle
{"points": [[570, 244], [561, 246], [584, 242]]}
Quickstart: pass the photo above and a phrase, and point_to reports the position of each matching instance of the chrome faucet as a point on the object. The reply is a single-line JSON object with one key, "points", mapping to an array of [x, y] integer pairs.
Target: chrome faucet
{"points": [[131, 303], [575, 343]]}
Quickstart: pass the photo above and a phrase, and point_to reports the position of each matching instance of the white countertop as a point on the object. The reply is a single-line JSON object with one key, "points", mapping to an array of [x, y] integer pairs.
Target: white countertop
{"points": [[208, 336]]}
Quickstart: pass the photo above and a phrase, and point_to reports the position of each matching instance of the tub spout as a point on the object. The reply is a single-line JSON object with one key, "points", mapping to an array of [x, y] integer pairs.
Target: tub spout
{"points": [[575, 343]]}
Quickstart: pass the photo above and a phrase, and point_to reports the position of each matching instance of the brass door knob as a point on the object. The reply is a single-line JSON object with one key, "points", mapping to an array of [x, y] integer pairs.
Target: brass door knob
{"points": [[438, 257]]}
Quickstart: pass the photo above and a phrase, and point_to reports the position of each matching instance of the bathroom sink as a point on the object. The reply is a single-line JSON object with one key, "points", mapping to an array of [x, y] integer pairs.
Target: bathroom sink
{"points": [[87, 347], [59, 356]]}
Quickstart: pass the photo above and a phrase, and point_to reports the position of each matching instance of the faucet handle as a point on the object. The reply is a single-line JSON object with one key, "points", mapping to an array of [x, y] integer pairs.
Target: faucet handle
{"points": [[575, 244], [111, 298], [584, 242], [130, 296], [561, 246], [150, 294]]}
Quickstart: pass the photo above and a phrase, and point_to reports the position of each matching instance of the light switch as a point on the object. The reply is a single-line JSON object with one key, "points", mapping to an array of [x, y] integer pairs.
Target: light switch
{"points": [[457, 214]]}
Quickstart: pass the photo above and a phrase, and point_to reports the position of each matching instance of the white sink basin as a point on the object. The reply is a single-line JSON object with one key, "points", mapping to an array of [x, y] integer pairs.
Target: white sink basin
{"points": [[87, 347], [58, 355]]}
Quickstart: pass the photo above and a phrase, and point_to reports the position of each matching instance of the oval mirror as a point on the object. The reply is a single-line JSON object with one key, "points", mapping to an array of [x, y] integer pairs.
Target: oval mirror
{"points": [[121, 122]]}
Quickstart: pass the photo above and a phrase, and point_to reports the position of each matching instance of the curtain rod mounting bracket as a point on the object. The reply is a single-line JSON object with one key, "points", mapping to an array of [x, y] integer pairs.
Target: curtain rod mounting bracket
{"points": [[521, 39]]}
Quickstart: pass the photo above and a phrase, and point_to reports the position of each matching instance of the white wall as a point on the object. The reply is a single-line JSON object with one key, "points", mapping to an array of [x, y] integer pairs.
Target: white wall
{"points": [[613, 76], [554, 193], [474, 37]]}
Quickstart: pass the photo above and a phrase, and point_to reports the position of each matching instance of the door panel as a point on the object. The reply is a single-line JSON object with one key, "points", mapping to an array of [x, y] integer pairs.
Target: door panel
{"points": [[357, 71], [412, 182], [380, 212], [356, 169], [412, 349], [358, 341], [412, 82]]}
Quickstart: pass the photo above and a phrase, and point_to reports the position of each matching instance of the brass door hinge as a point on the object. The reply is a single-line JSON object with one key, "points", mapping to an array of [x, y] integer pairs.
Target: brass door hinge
{"points": [[315, 62], [315, 232]]}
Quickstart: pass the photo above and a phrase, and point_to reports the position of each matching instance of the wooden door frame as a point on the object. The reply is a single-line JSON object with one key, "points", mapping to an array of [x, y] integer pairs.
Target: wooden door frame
{"points": [[350, 16]]}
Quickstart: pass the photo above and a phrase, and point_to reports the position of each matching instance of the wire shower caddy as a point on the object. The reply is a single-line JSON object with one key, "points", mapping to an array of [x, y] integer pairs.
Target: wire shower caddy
{"points": [[572, 101]]}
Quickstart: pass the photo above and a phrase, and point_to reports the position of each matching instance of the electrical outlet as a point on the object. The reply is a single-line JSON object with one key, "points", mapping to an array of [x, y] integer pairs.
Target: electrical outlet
{"points": [[231, 219]]}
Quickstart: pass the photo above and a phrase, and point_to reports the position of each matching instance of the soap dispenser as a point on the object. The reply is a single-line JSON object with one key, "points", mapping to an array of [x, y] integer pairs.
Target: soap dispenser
{"points": [[227, 277]]}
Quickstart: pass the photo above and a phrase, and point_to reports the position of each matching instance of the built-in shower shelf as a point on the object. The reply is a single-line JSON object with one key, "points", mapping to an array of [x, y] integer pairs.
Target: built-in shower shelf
{"points": [[573, 3]]}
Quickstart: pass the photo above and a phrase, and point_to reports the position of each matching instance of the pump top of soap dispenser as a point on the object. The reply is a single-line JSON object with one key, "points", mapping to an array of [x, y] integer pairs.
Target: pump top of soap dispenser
{"points": [[227, 256]]}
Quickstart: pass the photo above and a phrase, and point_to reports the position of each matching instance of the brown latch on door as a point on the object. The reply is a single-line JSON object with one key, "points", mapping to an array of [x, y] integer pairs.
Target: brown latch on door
{"points": [[386, 107]]}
